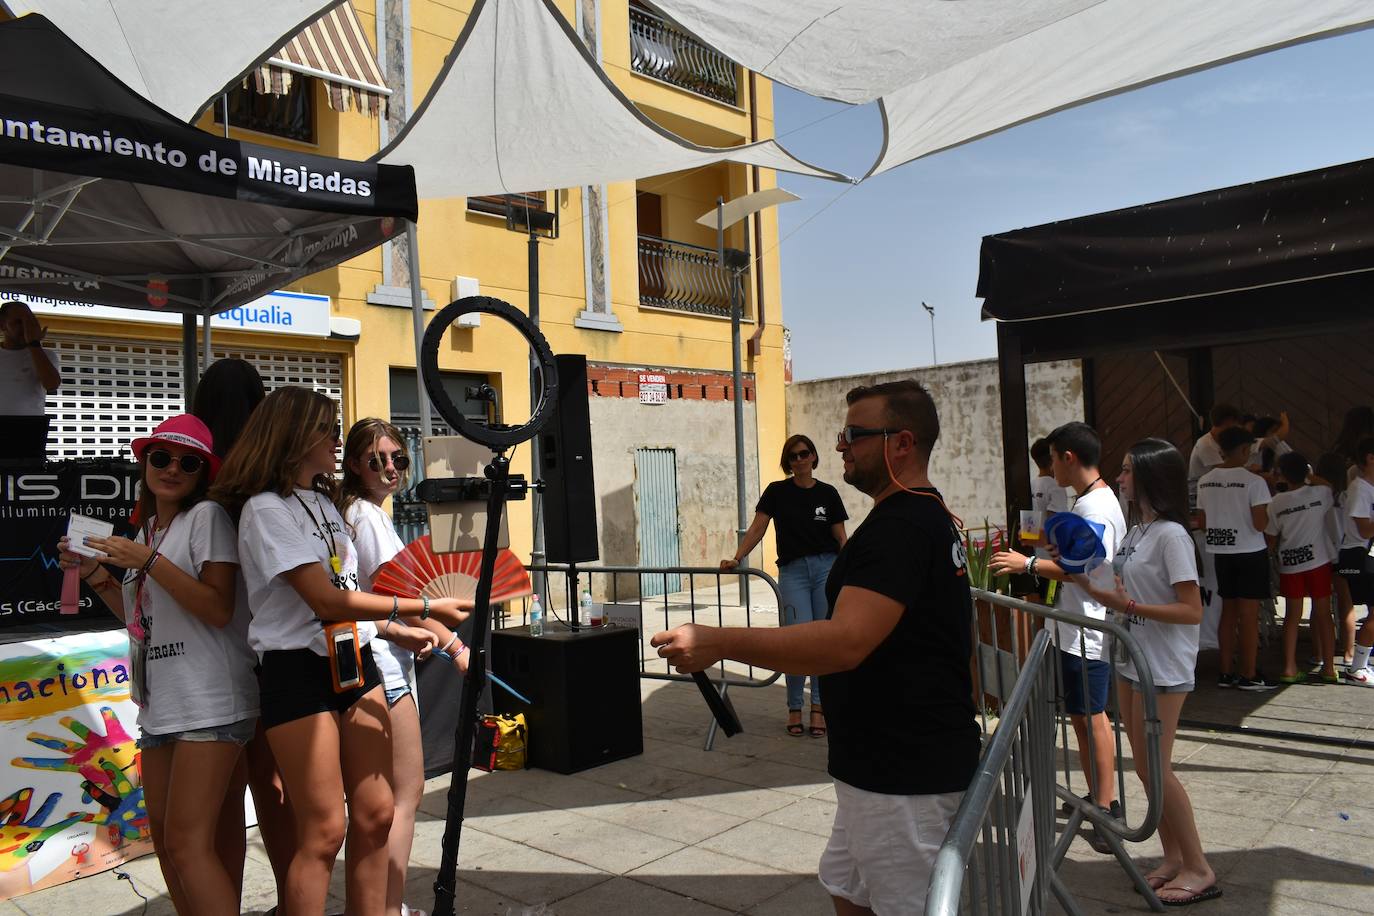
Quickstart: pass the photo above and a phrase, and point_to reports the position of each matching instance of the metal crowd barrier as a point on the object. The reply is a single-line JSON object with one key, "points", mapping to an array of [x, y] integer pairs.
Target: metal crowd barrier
{"points": [[1004, 848], [681, 597]]}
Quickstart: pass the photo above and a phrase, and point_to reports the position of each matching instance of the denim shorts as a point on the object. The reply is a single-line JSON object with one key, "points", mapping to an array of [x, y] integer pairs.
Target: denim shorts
{"points": [[394, 695], [1098, 679], [240, 733]]}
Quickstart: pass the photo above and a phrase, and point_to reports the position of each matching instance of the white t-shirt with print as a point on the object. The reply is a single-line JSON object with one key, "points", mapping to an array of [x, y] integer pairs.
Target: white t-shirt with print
{"points": [[1048, 496], [376, 540], [1101, 506], [21, 393], [199, 676], [1359, 503], [1227, 495], [278, 534], [1153, 559], [1256, 460], [1299, 519], [1205, 456]]}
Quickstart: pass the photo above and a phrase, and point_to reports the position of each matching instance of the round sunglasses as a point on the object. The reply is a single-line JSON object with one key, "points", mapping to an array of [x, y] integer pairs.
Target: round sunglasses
{"points": [[378, 460], [161, 458]]}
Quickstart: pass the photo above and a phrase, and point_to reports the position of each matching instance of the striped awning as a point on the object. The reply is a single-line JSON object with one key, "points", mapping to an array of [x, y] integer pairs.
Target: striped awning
{"points": [[334, 49]]}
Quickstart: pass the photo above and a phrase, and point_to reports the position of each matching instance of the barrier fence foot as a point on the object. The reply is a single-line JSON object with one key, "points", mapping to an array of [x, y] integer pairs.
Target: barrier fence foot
{"points": [[1063, 895], [715, 726]]}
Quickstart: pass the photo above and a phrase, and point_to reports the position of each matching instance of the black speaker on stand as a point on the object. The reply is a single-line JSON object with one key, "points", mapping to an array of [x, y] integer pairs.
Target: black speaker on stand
{"points": [[565, 448]]}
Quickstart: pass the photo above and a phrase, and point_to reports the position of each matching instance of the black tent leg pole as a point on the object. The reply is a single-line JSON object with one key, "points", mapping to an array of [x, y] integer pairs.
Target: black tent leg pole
{"points": [[446, 881]]}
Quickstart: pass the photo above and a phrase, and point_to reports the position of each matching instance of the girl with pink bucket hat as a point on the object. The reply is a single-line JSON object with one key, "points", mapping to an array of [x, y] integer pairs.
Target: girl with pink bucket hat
{"points": [[192, 669]]}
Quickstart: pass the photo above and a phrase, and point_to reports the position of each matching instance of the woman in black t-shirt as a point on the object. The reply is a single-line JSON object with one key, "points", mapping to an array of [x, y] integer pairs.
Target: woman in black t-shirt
{"points": [[810, 531]]}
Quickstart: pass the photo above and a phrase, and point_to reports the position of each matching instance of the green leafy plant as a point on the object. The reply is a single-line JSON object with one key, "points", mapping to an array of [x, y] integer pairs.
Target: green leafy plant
{"points": [[979, 551]]}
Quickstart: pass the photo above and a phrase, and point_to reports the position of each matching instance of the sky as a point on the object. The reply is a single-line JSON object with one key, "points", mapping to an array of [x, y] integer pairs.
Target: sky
{"points": [[878, 249]]}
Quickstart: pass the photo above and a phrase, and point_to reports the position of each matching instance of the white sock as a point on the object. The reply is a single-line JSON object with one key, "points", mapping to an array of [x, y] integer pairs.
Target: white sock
{"points": [[1361, 659]]}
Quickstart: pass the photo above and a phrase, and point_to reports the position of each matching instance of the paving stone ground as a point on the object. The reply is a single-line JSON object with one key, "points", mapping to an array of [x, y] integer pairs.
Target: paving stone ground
{"points": [[1289, 824]]}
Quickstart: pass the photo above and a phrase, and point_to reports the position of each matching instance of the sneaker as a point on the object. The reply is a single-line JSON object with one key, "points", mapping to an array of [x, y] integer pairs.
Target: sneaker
{"points": [[1257, 684], [1364, 677], [1227, 680]]}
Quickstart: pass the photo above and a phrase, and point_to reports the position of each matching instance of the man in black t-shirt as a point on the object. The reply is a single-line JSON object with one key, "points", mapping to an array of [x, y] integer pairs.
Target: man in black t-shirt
{"points": [[894, 655]]}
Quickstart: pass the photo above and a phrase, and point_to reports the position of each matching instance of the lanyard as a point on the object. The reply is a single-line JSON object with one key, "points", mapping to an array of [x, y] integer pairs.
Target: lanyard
{"points": [[136, 626], [335, 563], [1086, 490]]}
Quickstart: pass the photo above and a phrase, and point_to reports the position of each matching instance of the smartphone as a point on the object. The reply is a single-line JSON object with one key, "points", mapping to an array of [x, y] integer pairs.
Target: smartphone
{"points": [[345, 656]]}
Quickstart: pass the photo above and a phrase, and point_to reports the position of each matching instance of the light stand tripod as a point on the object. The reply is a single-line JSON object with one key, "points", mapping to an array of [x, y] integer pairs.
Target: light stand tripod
{"points": [[497, 487]]}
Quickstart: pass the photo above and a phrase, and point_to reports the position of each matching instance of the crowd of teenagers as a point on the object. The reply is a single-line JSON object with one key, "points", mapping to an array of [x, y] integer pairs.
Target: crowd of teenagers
{"points": [[1270, 521], [259, 656]]}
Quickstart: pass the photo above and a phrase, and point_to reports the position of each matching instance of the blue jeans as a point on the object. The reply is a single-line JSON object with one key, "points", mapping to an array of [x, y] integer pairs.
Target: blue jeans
{"points": [[802, 584]]}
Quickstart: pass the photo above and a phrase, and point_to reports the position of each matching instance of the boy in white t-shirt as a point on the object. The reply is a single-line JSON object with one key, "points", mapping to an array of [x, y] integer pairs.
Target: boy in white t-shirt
{"points": [[1298, 531], [1233, 513], [1206, 452], [1075, 450], [1356, 564], [1046, 494]]}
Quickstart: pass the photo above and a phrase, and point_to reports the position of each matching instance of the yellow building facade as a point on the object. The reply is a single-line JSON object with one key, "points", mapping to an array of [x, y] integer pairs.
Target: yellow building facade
{"points": [[646, 237]]}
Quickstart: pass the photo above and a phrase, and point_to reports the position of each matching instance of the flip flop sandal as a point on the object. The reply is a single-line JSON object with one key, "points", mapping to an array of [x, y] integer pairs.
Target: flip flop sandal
{"points": [[1156, 883], [1194, 896]]}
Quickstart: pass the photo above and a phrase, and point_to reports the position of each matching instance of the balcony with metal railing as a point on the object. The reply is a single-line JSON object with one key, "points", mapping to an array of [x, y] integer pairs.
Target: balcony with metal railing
{"points": [[661, 50], [685, 278]]}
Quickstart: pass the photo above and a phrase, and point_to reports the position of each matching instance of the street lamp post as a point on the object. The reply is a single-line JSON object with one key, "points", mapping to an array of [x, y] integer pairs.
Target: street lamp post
{"points": [[930, 309], [733, 263]]}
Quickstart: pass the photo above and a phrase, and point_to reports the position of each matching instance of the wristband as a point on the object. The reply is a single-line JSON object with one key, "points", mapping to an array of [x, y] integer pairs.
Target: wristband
{"points": [[87, 577], [152, 560], [1030, 564], [1130, 606], [1033, 561], [451, 640], [395, 613], [424, 613]]}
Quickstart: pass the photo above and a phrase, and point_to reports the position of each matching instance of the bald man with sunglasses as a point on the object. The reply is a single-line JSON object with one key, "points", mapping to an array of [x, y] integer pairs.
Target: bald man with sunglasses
{"points": [[893, 654]]}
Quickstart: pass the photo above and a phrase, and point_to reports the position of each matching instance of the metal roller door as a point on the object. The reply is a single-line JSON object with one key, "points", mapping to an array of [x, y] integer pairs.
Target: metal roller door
{"points": [[115, 390]]}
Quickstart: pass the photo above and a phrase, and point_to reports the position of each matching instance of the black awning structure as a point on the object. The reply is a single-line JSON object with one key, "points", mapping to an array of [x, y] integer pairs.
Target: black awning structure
{"points": [[106, 198], [1173, 281]]}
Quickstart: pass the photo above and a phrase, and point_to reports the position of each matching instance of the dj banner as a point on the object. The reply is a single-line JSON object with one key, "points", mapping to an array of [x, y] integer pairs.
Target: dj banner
{"points": [[71, 793], [35, 504]]}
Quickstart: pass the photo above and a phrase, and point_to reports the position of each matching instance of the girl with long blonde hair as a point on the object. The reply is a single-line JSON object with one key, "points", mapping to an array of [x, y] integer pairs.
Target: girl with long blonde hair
{"points": [[375, 466], [322, 701]]}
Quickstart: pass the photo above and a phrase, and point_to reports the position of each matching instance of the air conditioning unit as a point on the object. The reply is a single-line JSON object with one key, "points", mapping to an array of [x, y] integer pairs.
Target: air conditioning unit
{"points": [[463, 287]]}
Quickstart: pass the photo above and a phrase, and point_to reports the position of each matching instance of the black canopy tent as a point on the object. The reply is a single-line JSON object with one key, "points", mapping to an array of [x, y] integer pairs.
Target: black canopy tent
{"points": [[1187, 278], [106, 198]]}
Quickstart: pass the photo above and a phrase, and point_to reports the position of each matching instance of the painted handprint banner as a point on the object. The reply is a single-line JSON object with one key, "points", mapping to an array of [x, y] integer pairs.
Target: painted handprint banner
{"points": [[71, 796]]}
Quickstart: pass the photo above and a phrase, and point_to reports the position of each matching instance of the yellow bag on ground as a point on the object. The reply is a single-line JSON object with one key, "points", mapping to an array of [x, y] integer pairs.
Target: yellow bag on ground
{"points": [[501, 743]]}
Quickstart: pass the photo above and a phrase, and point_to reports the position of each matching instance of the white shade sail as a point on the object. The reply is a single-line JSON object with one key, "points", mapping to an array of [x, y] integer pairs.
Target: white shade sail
{"points": [[177, 54], [951, 72], [520, 105], [732, 211]]}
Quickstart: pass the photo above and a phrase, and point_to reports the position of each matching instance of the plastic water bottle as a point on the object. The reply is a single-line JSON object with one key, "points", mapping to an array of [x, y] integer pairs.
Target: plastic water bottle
{"points": [[536, 617], [591, 611]]}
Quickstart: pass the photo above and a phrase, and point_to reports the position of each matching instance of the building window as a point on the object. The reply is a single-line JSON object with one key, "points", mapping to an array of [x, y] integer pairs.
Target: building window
{"points": [[290, 115], [405, 399], [495, 204]]}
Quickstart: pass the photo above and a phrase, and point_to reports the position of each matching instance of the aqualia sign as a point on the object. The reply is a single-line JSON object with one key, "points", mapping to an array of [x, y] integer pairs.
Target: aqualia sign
{"points": [[299, 314]]}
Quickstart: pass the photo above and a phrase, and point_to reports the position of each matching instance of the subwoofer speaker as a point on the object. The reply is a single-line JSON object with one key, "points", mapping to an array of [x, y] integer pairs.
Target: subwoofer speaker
{"points": [[565, 451], [583, 689]]}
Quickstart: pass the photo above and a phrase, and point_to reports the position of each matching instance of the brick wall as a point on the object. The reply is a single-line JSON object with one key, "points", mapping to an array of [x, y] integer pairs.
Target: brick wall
{"points": [[619, 382]]}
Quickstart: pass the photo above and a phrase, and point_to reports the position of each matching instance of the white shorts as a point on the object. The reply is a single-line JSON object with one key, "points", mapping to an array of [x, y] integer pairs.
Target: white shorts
{"points": [[882, 848]]}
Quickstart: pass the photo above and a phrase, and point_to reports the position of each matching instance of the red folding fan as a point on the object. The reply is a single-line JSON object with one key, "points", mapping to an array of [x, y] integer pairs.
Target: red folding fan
{"points": [[417, 571]]}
